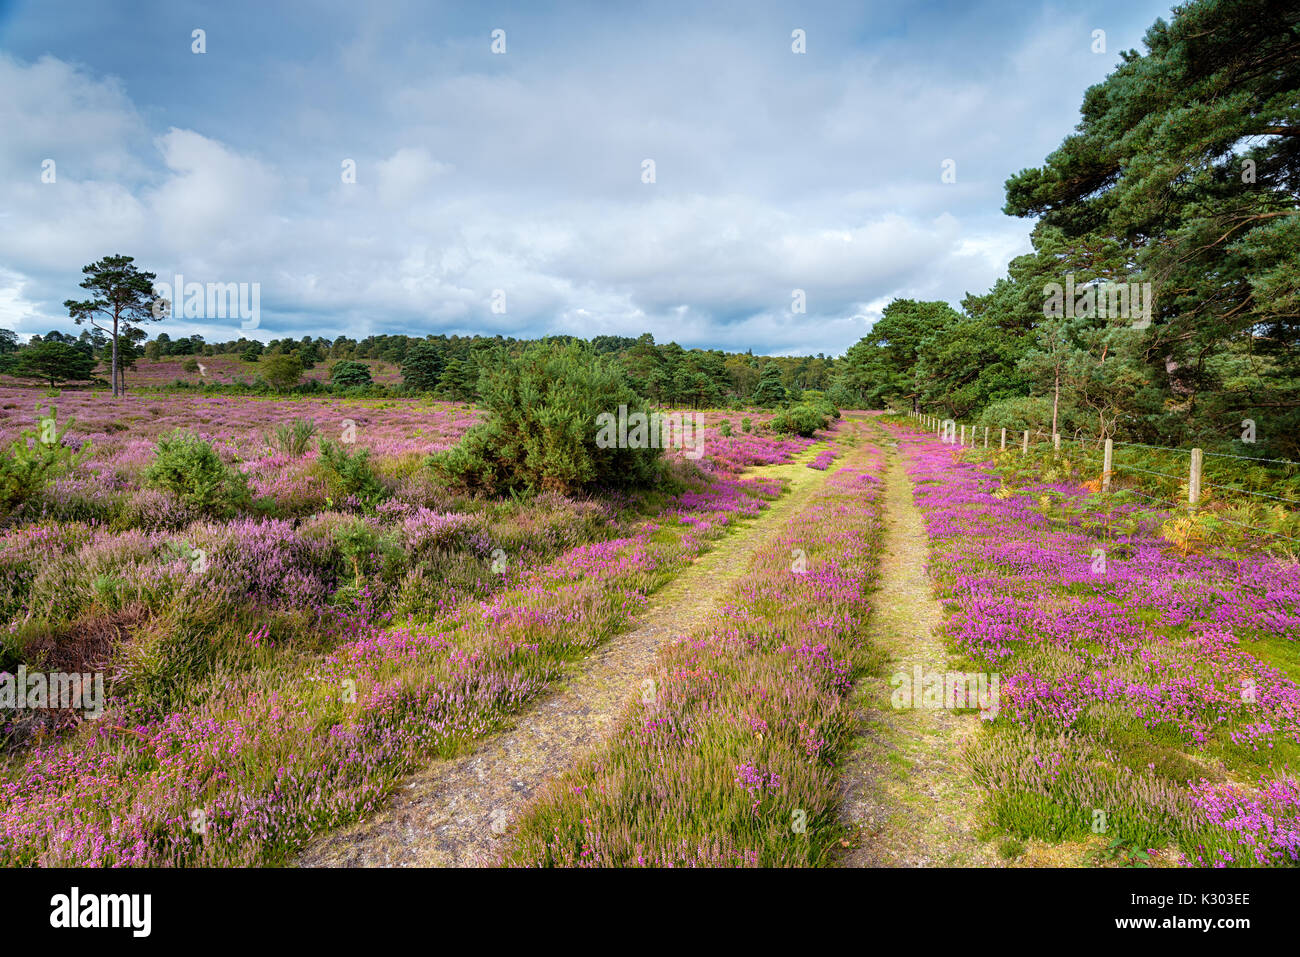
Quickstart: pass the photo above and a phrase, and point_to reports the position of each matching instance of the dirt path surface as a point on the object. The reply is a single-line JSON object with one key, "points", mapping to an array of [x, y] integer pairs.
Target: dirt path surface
{"points": [[905, 791], [457, 812]]}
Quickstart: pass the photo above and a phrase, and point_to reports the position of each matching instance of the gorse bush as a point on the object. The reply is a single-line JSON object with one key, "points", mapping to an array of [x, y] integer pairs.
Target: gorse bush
{"points": [[350, 475], [34, 459], [541, 430], [823, 405], [293, 437], [801, 420], [282, 371], [190, 468]]}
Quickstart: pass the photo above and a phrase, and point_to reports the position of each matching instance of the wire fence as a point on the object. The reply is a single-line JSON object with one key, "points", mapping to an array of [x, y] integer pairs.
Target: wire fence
{"points": [[1188, 484]]}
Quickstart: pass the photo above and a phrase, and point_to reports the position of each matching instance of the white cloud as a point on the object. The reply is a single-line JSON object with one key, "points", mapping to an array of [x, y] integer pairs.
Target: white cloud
{"points": [[212, 192], [522, 173], [56, 110], [16, 311], [404, 175]]}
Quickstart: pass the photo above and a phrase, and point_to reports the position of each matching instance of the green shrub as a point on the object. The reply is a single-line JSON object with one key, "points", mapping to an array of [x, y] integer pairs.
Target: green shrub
{"points": [[843, 396], [33, 460], [801, 420], [724, 428], [292, 437], [350, 475], [282, 371], [747, 424], [544, 408], [1020, 414], [163, 667], [348, 373], [822, 404], [356, 541], [189, 467]]}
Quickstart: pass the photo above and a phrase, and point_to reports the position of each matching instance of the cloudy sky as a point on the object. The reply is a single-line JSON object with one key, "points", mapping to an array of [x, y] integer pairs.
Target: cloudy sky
{"points": [[524, 171]]}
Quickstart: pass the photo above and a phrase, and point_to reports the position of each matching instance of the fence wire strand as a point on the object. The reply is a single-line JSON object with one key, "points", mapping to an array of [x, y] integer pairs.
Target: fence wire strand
{"points": [[1165, 503], [1159, 448], [1249, 458]]}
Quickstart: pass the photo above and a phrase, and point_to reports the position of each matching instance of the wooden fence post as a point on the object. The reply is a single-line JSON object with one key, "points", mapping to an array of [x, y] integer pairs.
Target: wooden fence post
{"points": [[1194, 479], [1056, 443], [1004, 440], [963, 436], [1024, 449], [986, 436], [1107, 465]]}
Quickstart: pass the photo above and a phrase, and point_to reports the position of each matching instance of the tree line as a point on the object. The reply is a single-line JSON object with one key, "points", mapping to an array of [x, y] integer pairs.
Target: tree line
{"points": [[446, 366], [1180, 188]]}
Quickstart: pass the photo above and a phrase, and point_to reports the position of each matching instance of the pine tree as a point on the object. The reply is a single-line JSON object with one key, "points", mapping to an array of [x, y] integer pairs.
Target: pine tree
{"points": [[769, 392], [123, 296], [422, 367]]}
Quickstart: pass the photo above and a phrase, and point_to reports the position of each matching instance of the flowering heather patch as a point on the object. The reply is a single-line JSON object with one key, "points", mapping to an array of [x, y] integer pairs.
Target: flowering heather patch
{"points": [[1263, 820], [314, 713], [108, 487], [823, 460], [736, 452], [1137, 681], [237, 423], [729, 761]]}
